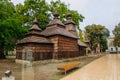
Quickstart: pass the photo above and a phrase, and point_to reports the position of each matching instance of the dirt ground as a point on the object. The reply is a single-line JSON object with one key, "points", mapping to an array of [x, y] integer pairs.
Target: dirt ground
{"points": [[46, 71], [9, 64]]}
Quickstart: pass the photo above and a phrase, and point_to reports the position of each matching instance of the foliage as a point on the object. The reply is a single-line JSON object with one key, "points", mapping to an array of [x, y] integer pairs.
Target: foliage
{"points": [[80, 33], [62, 8], [97, 35], [15, 20], [10, 26], [32, 8], [116, 32]]}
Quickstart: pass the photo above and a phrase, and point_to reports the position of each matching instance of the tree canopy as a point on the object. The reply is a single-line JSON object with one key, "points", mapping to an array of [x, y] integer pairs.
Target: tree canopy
{"points": [[43, 11], [97, 34], [116, 32], [15, 20], [34, 8], [10, 27]]}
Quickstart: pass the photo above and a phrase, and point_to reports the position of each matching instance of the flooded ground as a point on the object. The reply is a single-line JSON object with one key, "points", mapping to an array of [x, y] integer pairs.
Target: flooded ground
{"points": [[105, 68], [9, 64], [39, 71]]}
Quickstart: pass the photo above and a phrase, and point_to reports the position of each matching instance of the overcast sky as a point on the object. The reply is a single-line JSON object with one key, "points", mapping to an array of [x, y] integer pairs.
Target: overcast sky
{"points": [[104, 12]]}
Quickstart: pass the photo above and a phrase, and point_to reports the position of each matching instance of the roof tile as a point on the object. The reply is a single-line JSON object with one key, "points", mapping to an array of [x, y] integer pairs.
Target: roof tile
{"points": [[55, 30]]}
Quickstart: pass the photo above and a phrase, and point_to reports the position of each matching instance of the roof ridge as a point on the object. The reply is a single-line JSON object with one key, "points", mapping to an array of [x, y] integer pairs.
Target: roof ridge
{"points": [[58, 31]]}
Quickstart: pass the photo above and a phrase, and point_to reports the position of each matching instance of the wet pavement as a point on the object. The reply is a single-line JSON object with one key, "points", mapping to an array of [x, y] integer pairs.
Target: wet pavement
{"points": [[104, 68], [28, 72]]}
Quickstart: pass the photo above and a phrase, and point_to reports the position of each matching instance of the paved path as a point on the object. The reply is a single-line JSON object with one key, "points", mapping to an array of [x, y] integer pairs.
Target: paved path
{"points": [[105, 68]]}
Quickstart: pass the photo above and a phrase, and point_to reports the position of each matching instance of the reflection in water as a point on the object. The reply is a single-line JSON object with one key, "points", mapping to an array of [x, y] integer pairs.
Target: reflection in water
{"points": [[105, 68], [114, 65], [27, 72]]}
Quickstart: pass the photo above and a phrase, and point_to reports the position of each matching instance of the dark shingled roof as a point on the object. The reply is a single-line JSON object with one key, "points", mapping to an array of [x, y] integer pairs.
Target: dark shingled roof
{"points": [[55, 30], [35, 27], [34, 35], [81, 44], [54, 22], [56, 27], [33, 39], [33, 32]]}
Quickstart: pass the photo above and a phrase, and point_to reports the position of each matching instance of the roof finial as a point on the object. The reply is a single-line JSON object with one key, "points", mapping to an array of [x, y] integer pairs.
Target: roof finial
{"points": [[56, 15], [35, 21], [35, 25], [69, 18]]}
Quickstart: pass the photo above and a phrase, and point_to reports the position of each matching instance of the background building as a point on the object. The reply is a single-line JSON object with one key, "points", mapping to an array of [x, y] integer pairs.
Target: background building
{"points": [[111, 47]]}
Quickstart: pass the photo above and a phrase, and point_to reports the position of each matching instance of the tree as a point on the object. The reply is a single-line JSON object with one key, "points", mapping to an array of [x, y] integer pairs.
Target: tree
{"points": [[10, 27], [97, 35], [32, 8], [15, 20], [80, 33], [116, 32], [63, 9]]}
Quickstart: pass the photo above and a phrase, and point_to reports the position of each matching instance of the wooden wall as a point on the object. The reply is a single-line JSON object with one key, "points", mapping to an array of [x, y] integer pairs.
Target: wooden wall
{"points": [[40, 51], [43, 51], [66, 47], [62, 47], [54, 39], [82, 50]]}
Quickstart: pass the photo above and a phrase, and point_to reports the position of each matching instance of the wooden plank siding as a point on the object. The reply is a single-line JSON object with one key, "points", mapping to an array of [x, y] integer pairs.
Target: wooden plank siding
{"points": [[67, 47], [62, 47], [40, 51]]}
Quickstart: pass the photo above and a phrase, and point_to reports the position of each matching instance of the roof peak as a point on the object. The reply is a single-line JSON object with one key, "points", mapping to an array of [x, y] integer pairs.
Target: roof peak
{"points": [[56, 15], [35, 25], [35, 21], [56, 20], [69, 18]]}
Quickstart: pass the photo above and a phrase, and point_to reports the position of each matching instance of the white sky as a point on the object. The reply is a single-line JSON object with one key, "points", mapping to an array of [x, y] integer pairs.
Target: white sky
{"points": [[104, 12]]}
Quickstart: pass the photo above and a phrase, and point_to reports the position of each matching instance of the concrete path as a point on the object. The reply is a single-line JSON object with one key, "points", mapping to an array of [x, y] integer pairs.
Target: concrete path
{"points": [[105, 68]]}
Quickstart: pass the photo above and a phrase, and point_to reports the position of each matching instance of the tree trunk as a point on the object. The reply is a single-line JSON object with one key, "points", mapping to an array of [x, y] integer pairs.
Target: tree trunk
{"points": [[2, 56]]}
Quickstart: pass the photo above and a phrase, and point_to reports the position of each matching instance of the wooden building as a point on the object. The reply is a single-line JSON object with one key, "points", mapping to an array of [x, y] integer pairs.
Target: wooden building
{"points": [[34, 44], [57, 41]]}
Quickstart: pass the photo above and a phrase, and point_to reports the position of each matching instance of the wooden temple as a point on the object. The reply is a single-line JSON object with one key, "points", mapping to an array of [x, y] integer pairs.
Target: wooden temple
{"points": [[57, 41]]}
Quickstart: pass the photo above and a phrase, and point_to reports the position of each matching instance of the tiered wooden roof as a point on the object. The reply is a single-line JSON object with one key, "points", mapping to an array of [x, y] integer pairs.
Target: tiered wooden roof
{"points": [[56, 27], [34, 35]]}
